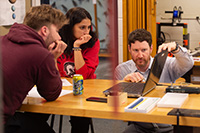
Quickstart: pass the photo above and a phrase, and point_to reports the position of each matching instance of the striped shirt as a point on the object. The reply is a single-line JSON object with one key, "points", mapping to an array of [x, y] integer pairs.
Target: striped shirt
{"points": [[174, 68]]}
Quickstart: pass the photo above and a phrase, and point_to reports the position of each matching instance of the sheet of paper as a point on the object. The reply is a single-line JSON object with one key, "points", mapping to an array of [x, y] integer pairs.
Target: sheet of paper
{"points": [[34, 93], [65, 82]]}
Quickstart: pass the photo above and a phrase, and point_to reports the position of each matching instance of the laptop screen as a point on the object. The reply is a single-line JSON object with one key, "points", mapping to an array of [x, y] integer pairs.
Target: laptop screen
{"points": [[155, 72]]}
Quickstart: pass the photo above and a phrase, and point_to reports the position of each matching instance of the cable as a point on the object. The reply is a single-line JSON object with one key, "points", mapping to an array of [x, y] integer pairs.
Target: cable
{"points": [[178, 114], [169, 36]]}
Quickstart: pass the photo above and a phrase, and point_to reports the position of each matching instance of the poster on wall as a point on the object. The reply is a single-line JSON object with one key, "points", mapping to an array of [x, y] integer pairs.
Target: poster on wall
{"points": [[11, 11]]}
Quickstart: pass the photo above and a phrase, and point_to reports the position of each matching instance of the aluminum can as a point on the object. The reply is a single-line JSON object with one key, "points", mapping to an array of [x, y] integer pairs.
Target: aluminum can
{"points": [[77, 84]]}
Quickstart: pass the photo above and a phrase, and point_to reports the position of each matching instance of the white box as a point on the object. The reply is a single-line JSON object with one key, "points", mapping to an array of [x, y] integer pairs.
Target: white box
{"points": [[142, 105], [174, 100]]}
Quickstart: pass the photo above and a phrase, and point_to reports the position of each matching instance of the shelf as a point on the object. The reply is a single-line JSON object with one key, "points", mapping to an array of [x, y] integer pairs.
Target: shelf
{"points": [[104, 55]]}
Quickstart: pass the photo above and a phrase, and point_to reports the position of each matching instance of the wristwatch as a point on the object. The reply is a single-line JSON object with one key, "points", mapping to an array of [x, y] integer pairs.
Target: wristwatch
{"points": [[176, 47]]}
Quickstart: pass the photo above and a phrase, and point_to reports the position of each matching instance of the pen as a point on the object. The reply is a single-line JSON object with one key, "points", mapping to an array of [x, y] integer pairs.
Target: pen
{"points": [[136, 103]]}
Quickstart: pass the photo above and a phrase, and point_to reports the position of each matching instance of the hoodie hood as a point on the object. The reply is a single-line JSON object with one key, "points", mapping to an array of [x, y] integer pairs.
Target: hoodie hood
{"points": [[24, 35]]}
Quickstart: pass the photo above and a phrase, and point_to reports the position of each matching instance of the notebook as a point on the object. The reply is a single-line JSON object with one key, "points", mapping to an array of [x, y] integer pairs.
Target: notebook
{"points": [[140, 89]]}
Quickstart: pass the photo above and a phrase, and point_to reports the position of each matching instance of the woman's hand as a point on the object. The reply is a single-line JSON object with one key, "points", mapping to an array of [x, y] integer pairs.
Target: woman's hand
{"points": [[83, 39]]}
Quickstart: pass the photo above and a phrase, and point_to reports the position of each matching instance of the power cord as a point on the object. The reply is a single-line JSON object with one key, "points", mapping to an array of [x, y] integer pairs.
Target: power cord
{"points": [[178, 114]]}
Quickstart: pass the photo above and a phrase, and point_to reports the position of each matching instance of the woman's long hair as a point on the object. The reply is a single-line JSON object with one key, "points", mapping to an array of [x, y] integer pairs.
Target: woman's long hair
{"points": [[76, 15]]}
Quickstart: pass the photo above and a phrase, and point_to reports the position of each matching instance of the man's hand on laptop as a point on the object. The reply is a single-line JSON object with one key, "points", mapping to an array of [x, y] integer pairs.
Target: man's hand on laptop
{"points": [[134, 77]]}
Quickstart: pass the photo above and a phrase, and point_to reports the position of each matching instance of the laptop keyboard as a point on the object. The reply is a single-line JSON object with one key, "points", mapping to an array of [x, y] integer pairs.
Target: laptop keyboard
{"points": [[134, 88], [129, 87]]}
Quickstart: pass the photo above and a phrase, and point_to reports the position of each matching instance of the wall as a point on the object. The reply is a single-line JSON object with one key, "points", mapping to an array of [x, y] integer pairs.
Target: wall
{"points": [[120, 32], [190, 9]]}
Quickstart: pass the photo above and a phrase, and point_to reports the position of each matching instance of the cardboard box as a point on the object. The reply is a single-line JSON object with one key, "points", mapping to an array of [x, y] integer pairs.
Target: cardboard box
{"points": [[121, 99]]}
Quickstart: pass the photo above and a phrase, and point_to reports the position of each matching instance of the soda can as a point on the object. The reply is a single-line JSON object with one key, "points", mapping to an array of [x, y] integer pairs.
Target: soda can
{"points": [[77, 84]]}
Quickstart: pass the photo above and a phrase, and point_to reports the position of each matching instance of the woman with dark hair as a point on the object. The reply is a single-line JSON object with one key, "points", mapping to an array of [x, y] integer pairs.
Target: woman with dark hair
{"points": [[83, 45], [80, 56]]}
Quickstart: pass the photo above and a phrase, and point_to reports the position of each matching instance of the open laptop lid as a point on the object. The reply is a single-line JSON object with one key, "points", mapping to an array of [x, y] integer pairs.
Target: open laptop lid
{"points": [[155, 72]]}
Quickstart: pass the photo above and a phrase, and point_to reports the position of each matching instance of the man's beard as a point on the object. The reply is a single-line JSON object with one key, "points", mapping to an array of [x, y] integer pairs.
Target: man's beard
{"points": [[143, 64], [49, 40]]}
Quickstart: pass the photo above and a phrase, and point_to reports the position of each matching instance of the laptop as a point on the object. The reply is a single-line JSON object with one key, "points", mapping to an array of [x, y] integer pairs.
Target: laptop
{"points": [[140, 89]]}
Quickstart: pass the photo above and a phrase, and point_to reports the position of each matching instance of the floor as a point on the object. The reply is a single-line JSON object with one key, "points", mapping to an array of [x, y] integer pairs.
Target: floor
{"points": [[100, 125]]}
